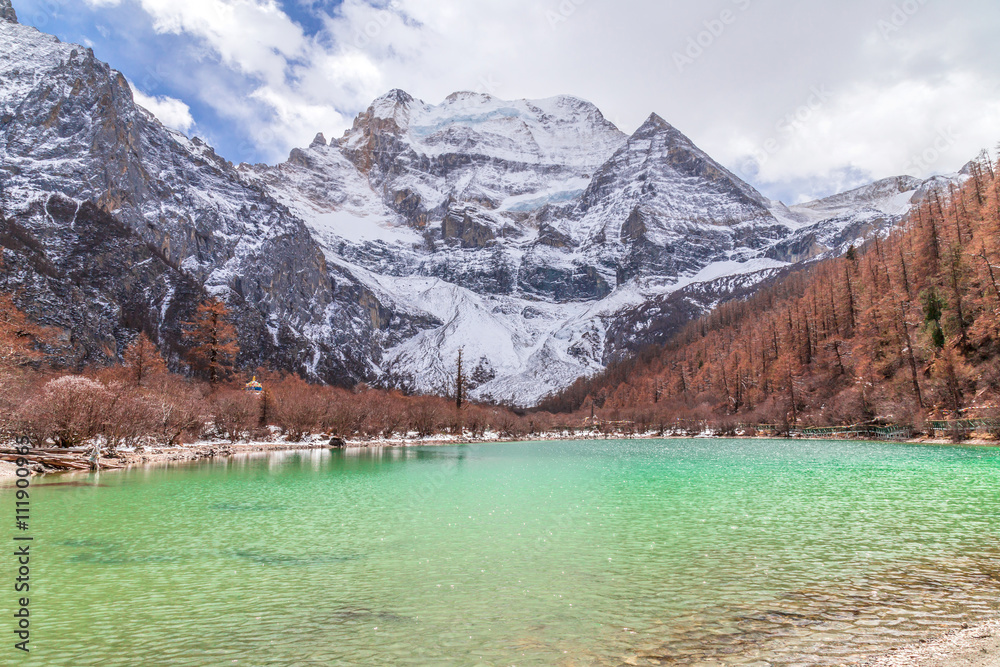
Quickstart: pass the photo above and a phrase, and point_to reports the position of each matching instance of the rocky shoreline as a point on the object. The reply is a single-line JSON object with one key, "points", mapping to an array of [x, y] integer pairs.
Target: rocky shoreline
{"points": [[977, 646], [199, 452], [79, 460], [8, 470], [223, 449]]}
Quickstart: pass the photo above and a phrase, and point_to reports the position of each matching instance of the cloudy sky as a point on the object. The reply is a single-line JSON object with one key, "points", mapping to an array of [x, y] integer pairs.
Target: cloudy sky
{"points": [[802, 98]]}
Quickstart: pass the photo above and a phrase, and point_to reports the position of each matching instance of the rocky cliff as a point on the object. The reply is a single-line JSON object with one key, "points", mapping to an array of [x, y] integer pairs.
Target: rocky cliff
{"points": [[76, 148]]}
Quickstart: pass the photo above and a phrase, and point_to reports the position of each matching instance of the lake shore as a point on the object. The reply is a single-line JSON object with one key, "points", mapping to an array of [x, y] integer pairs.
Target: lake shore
{"points": [[978, 646], [152, 456], [202, 451]]}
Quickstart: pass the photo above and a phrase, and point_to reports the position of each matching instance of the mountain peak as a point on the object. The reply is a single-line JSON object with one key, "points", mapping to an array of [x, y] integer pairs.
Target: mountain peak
{"points": [[656, 125], [395, 105], [873, 192], [394, 97], [677, 178], [467, 95], [655, 120], [657, 129], [7, 11]]}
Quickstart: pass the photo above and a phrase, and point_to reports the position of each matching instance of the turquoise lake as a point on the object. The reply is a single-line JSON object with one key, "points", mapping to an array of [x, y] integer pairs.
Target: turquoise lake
{"points": [[679, 552]]}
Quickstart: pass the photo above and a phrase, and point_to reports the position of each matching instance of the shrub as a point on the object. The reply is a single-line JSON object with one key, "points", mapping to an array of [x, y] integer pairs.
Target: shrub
{"points": [[130, 417], [423, 416], [234, 414], [338, 417], [178, 410], [68, 410], [299, 408]]}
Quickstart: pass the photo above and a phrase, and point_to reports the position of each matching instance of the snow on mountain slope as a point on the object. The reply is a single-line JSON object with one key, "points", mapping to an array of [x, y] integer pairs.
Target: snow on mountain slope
{"points": [[532, 234], [527, 348], [323, 188], [890, 196], [71, 133], [831, 225], [662, 208], [563, 133], [476, 149], [495, 223], [658, 158]]}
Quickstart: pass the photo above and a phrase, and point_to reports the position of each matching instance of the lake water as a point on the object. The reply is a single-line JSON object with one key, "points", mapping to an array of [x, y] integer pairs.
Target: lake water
{"points": [[677, 552]]}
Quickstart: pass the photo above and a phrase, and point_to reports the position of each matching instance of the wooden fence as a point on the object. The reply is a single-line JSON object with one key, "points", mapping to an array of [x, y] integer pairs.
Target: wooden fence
{"points": [[963, 427]]}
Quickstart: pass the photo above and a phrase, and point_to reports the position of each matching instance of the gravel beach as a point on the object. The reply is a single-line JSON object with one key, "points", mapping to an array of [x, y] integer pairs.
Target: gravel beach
{"points": [[978, 646]]}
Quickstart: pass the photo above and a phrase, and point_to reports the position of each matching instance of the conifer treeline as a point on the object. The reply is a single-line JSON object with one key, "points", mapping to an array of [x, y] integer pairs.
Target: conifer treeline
{"points": [[905, 328]]}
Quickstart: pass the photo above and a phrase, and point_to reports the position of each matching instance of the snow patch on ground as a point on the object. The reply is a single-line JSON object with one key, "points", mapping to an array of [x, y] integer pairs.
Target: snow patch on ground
{"points": [[535, 347], [357, 229]]}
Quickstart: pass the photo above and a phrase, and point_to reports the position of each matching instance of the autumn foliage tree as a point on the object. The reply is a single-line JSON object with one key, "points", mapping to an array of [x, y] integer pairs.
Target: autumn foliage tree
{"points": [[299, 407], [142, 360], [19, 351], [19, 336], [212, 342]]}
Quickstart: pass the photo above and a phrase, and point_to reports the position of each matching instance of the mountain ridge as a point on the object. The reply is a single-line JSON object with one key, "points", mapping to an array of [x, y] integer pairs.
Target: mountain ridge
{"points": [[526, 232]]}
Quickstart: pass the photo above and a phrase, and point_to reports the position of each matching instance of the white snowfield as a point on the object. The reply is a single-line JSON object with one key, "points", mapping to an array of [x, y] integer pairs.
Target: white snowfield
{"points": [[520, 232], [536, 163]]}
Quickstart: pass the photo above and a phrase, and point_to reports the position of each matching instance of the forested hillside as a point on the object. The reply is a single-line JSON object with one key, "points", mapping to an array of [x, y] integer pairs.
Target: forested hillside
{"points": [[903, 329]]}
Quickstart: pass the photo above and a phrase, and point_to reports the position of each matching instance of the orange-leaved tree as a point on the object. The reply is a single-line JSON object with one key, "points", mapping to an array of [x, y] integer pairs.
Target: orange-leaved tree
{"points": [[212, 340], [142, 360], [19, 336]]}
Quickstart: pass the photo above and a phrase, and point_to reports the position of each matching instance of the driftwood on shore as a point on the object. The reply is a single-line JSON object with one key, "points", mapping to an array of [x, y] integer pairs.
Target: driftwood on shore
{"points": [[82, 458], [59, 459]]}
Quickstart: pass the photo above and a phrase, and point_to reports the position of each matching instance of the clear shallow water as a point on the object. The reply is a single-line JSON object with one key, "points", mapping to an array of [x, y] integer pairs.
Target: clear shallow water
{"points": [[585, 553]]}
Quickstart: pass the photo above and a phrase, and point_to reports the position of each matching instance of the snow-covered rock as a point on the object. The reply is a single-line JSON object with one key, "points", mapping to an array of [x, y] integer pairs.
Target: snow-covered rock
{"points": [[532, 234], [829, 226], [90, 179]]}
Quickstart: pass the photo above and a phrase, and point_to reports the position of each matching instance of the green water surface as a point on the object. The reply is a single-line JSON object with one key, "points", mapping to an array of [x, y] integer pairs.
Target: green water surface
{"points": [[576, 553]]}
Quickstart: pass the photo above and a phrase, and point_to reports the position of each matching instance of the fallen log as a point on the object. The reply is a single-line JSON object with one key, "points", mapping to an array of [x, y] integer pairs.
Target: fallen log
{"points": [[59, 462], [57, 451]]}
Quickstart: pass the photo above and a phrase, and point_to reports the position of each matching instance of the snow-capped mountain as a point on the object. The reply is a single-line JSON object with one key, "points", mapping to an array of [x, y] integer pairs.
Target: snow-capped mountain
{"points": [[535, 235], [89, 178], [831, 225]]}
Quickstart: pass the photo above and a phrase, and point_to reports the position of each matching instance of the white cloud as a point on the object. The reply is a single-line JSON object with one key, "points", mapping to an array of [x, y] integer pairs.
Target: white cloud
{"points": [[171, 112], [257, 41], [893, 91], [870, 131]]}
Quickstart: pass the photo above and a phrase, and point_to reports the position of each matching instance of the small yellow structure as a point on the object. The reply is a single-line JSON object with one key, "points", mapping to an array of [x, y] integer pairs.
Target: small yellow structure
{"points": [[254, 387]]}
